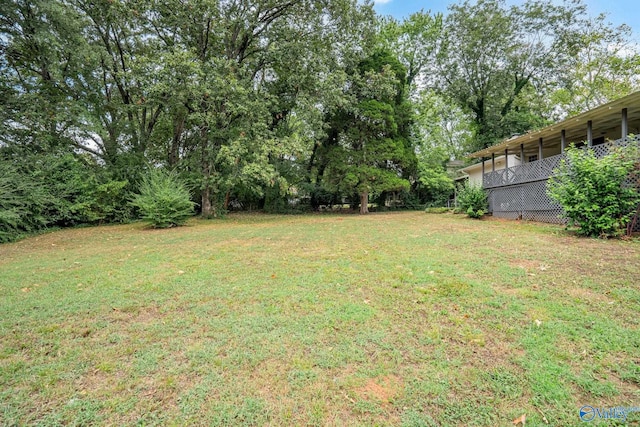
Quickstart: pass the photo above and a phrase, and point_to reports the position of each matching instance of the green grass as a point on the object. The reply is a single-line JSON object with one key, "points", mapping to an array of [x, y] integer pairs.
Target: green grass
{"points": [[388, 319]]}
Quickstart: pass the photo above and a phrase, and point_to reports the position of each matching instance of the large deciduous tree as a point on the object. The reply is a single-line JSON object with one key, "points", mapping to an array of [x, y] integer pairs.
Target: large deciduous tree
{"points": [[493, 56], [42, 51], [371, 143], [251, 99], [206, 86], [445, 133], [251, 64], [605, 66], [414, 42], [74, 76]]}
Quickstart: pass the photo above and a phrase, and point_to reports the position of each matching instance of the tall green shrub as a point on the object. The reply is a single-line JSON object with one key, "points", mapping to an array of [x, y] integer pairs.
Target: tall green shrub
{"points": [[473, 200], [164, 199], [21, 204], [592, 192], [68, 182]]}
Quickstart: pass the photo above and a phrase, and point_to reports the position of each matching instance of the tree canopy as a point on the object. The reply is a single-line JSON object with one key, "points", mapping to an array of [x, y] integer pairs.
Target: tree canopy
{"points": [[271, 104]]}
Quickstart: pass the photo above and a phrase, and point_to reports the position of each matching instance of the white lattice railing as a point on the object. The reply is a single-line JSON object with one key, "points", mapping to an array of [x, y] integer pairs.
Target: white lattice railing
{"points": [[540, 170], [528, 172]]}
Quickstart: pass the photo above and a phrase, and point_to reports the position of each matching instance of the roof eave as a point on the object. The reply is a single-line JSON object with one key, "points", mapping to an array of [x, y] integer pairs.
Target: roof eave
{"points": [[613, 107]]}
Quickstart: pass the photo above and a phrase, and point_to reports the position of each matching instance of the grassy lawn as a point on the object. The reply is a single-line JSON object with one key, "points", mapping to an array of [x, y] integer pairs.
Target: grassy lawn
{"points": [[388, 319]]}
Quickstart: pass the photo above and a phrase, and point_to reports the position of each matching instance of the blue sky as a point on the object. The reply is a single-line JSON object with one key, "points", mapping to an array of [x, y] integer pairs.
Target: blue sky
{"points": [[619, 11]]}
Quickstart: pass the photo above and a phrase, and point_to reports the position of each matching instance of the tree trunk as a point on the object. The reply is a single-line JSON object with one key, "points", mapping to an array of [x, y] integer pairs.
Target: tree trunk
{"points": [[206, 174], [206, 202], [178, 126], [226, 200], [364, 202]]}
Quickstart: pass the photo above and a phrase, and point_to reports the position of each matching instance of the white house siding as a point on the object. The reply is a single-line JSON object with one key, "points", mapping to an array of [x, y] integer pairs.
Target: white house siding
{"points": [[475, 171]]}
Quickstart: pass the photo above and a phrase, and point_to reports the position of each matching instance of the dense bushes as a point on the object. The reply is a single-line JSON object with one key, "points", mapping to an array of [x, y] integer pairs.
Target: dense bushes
{"points": [[592, 192], [439, 210], [434, 186], [472, 200], [40, 191], [78, 191], [43, 191], [21, 204], [164, 199]]}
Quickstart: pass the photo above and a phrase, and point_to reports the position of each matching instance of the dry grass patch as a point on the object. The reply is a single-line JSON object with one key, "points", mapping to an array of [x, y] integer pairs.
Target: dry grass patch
{"points": [[387, 319]]}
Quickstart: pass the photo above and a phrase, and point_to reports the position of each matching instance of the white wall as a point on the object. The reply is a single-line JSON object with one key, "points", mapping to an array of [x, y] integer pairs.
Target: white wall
{"points": [[475, 171]]}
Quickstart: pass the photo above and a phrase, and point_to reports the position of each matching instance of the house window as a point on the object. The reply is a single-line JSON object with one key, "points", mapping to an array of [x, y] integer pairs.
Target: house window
{"points": [[532, 158]]}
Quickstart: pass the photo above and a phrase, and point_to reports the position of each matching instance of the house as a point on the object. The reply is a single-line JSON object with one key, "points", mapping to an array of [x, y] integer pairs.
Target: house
{"points": [[518, 190], [473, 174]]}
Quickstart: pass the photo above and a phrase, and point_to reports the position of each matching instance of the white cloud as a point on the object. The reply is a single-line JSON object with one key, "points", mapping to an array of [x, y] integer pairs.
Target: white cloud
{"points": [[382, 1]]}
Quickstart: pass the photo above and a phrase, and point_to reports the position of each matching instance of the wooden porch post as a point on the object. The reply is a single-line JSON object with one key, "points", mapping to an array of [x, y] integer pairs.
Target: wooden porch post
{"points": [[493, 162], [540, 149], [625, 124], [506, 164], [590, 133], [563, 141], [522, 154], [483, 172]]}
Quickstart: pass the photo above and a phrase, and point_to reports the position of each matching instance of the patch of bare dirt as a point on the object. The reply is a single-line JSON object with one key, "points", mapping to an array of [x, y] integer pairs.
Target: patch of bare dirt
{"points": [[136, 314], [517, 292], [384, 389], [587, 294]]}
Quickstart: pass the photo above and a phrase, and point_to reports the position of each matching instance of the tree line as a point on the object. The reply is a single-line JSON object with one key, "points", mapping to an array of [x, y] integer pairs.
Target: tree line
{"points": [[261, 103]]}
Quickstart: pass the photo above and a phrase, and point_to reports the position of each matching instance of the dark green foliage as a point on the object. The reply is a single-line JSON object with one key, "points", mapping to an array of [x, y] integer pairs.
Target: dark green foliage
{"points": [[39, 191], [376, 63], [76, 191], [472, 200], [410, 200], [434, 185], [493, 63], [164, 199], [69, 183], [274, 202], [315, 195], [592, 192], [252, 101], [437, 210], [369, 149], [110, 202], [20, 204]]}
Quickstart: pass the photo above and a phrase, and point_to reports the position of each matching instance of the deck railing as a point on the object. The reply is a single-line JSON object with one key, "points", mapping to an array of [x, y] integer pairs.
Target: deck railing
{"points": [[541, 170]]}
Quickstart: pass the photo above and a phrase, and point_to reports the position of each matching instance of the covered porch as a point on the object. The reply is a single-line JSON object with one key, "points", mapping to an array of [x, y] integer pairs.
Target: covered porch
{"points": [[519, 191]]}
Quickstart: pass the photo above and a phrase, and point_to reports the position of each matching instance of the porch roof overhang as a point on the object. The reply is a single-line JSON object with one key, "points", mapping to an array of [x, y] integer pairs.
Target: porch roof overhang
{"points": [[604, 118], [487, 163]]}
